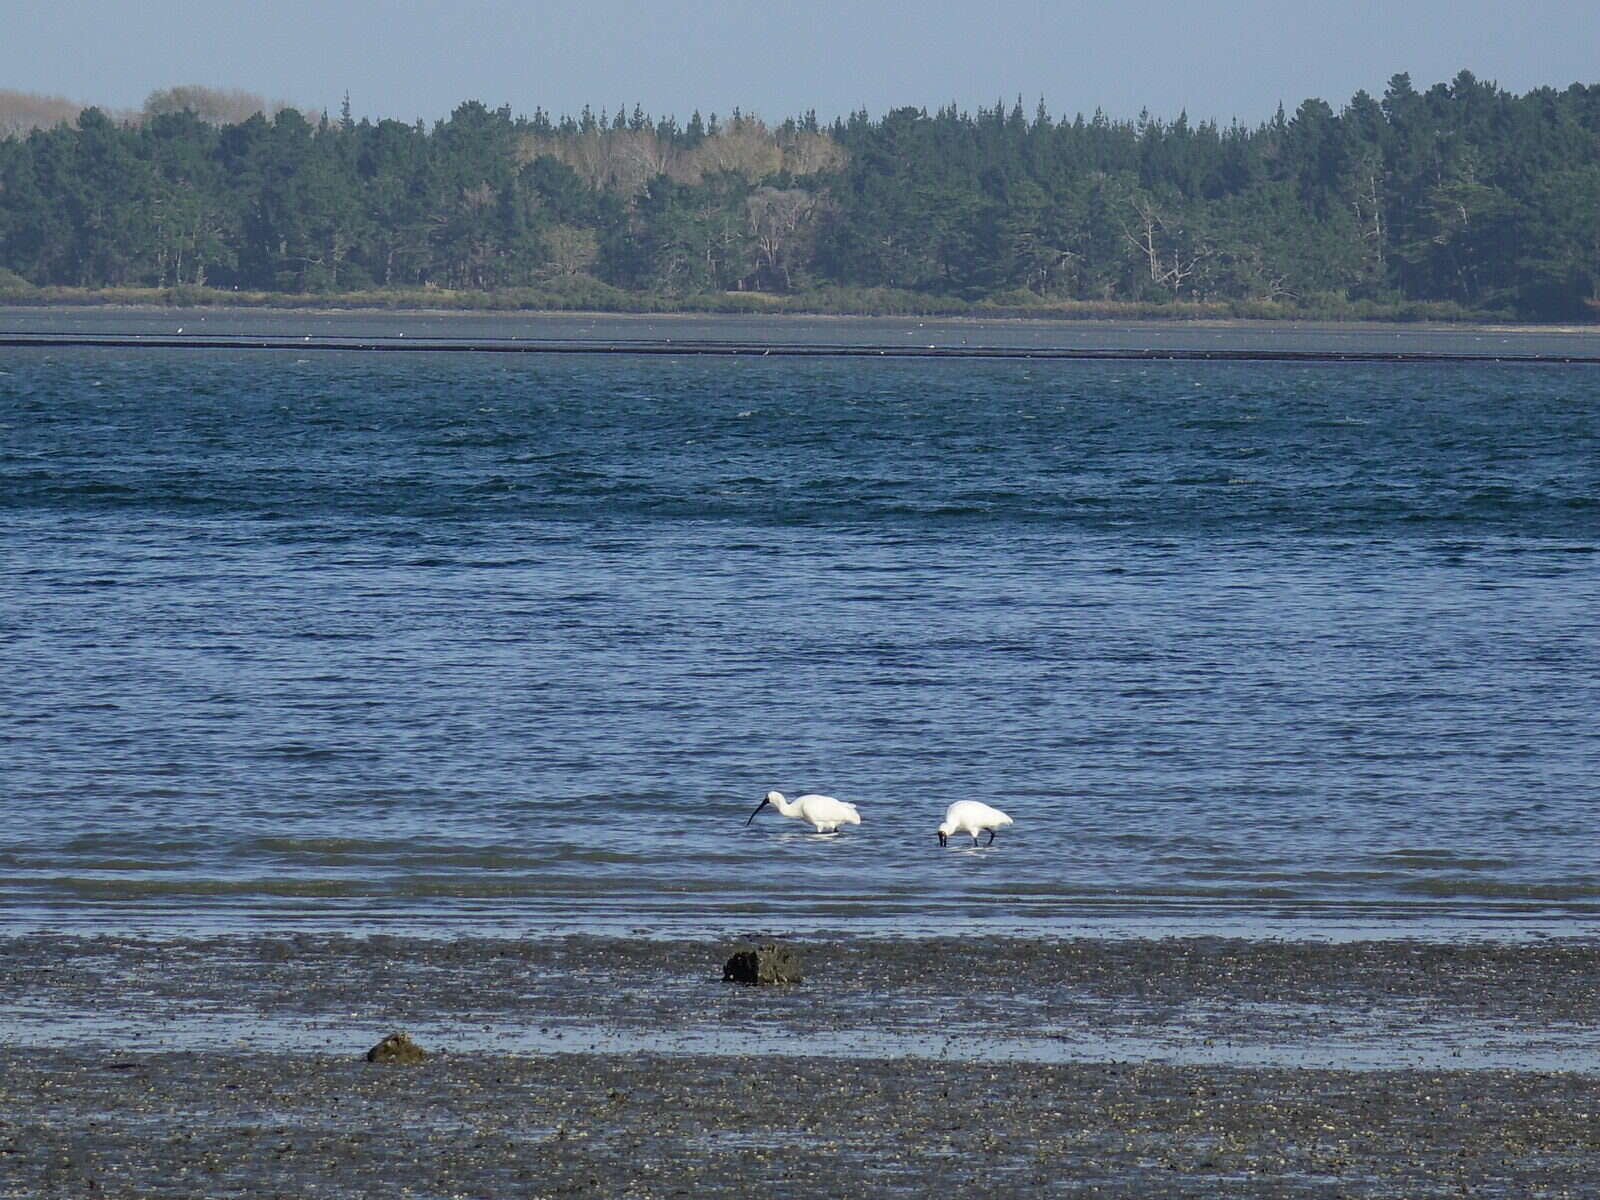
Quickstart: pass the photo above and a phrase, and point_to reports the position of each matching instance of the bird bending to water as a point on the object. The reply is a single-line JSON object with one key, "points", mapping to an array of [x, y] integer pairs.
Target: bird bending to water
{"points": [[969, 816], [822, 813]]}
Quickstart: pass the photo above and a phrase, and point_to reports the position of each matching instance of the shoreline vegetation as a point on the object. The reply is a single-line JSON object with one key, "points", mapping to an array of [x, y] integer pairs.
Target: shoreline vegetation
{"points": [[597, 297], [1461, 202]]}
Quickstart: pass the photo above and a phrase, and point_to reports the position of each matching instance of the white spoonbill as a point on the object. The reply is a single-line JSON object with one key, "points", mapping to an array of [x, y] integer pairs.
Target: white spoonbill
{"points": [[822, 813], [971, 817]]}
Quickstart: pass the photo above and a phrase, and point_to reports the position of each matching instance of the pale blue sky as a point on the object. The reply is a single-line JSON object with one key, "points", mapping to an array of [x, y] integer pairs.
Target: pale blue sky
{"points": [[1236, 58]]}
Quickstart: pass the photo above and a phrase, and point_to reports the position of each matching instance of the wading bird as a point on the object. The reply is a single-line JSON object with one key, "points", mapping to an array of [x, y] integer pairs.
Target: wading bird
{"points": [[969, 816], [822, 813]]}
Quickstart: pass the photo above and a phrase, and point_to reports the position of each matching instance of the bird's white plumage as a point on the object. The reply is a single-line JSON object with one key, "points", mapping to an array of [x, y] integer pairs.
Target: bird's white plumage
{"points": [[822, 813], [972, 817]]}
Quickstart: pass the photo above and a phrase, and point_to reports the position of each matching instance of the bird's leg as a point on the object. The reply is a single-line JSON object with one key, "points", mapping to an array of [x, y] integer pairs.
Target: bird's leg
{"points": [[990, 842], [974, 841]]}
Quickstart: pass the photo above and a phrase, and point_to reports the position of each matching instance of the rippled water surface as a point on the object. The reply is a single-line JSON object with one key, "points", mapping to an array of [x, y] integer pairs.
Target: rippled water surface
{"points": [[451, 640]]}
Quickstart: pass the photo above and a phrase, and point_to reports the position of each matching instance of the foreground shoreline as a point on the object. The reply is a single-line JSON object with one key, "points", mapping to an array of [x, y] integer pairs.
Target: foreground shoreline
{"points": [[589, 1065], [1091, 316], [221, 1124]]}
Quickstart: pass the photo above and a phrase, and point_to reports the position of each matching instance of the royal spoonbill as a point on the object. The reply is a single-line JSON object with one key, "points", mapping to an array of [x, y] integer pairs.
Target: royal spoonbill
{"points": [[822, 813], [969, 816]]}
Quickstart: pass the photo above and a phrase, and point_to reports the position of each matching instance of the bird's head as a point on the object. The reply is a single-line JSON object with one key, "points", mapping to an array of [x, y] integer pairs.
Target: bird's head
{"points": [[772, 798], [945, 831]]}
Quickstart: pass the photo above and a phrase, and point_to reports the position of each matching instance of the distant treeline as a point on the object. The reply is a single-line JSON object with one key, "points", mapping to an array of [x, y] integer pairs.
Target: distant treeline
{"points": [[1464, 197]]}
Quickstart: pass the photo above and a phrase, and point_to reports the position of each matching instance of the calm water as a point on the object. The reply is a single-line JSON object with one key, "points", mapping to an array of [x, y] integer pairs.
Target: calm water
{"points": [[451, 641]]}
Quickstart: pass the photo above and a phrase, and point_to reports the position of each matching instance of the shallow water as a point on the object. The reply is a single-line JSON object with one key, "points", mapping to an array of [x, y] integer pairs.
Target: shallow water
{"points": [[456, 642]]}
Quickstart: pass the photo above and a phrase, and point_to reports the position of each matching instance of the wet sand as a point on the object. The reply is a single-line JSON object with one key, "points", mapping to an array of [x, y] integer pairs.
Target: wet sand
{"points": [[1195, 1067]]}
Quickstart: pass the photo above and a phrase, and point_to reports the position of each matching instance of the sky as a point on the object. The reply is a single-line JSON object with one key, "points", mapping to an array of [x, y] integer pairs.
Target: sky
{"points": [[1221, 60]]}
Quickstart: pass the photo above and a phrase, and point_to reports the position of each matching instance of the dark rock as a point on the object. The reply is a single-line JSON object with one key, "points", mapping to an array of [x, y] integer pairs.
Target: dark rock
{"points": [[762, 965], [396, 1048]]}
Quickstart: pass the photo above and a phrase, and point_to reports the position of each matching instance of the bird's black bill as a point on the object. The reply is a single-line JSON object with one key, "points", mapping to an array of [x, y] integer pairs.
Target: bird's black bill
{"points": [[941, 839], [759, 807]]}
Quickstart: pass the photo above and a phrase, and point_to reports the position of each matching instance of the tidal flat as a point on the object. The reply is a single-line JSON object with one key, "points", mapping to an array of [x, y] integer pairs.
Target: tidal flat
{"points": [[233, 1065]]}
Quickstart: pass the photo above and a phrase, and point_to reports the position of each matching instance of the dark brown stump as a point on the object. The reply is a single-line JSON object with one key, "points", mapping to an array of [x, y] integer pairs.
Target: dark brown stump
{"points": [[396, 1048], [762, 965]]}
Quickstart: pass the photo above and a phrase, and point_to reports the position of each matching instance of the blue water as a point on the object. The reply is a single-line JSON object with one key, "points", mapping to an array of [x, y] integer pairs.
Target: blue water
{"points": [[451, 641]]}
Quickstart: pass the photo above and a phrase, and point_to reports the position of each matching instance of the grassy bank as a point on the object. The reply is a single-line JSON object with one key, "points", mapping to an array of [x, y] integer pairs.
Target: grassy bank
{"points": [[589, 295]]}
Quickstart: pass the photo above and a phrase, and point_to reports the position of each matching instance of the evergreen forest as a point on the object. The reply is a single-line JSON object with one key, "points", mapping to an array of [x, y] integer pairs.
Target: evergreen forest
{"points": [[1459, 200]]}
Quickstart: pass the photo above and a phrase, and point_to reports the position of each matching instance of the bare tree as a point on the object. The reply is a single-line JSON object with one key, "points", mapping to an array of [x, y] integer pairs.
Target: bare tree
{"points": [[1368, 205], [624, 160], [810, 153], [1170, 258], [636, 157], [23, 112], [612, 160], [776, 215], [215, 106], [742, 146], [571, 250]]}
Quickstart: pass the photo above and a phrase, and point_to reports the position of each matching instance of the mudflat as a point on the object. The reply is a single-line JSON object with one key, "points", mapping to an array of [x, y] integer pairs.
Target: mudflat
{"points": [[615, 1066], [221, 1124]]}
